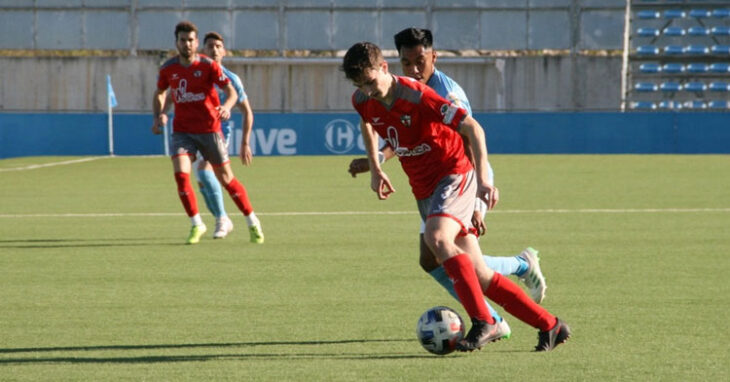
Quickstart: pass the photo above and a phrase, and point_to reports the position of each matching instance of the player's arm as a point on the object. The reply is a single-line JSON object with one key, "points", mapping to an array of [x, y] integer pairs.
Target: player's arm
{"points": [[246, 153], [379, 181], [224, 111], [360, 165], [486, 191], [159, 104]]}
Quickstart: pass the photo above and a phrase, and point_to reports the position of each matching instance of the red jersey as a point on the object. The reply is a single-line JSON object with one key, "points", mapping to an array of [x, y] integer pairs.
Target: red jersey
{"points": [[193, 93], [420, 126]]}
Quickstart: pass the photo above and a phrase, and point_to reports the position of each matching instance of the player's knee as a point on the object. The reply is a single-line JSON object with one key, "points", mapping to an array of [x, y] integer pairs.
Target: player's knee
{"points": [[436, 241]]}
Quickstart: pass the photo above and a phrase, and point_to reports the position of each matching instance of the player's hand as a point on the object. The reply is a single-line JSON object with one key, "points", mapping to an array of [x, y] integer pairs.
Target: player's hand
{"points": [[358, 165], [158, 123], [478, 222], [246, 155], [380, 183], [489, 194], [223, 113]]}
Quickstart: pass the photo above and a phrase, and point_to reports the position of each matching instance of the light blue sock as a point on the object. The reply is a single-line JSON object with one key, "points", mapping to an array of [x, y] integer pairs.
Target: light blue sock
{"points": [[212, 193], [439, 274], [512, 265]]}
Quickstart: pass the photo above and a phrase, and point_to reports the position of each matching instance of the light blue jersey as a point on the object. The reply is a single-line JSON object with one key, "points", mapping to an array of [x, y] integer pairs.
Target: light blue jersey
{"points": [[452, 91], [449, 89], [227, 127]]}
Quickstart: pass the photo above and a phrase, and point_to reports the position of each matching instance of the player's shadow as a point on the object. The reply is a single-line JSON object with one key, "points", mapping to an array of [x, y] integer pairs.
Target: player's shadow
{"points": [[83, 243], [8, 355]]}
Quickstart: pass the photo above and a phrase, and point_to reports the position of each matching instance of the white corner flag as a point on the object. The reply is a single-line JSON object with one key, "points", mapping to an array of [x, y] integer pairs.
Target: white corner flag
{"points": [[111, 101]]}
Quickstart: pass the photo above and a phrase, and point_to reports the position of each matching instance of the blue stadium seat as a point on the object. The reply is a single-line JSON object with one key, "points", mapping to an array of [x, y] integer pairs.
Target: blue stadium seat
{"points": [[670, 86], [696, 104], [674, 14], [647, 50], [721, 31], [698, 31], [696, 50], [720, 67], [673, 50], [721, 13], [719, 86], [648, 32], [674, 31], [643, 105], [650, 67], [720, 49], [645, 87], [695, 86], [717, 104], [673, 68], [697, 68], [700, 13], [669, 105], [648, 15]]}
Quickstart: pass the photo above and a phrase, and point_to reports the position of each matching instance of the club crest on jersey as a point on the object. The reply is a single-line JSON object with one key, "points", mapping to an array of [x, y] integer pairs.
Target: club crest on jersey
{"points": [[406, 120], [198, 73]]}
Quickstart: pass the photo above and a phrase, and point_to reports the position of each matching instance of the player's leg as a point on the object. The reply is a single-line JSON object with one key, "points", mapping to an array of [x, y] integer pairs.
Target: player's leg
{"points": [[514, 300], [182, 165], [431, 266], [526, 265], [213, 194], [239, 195], [458, 263], [213, 148]]}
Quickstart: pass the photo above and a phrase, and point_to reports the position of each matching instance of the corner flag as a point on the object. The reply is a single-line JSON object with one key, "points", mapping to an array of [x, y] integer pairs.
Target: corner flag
{"points": [[111, 97]]}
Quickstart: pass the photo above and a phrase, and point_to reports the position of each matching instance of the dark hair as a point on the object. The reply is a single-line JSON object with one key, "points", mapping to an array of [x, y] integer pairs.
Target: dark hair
{"points": [[360, 57], [185, 26], [411, 37], [213, 35]]}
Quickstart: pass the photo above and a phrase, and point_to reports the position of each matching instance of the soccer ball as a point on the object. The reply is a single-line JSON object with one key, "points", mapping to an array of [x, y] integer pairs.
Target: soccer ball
{"points": [[439, 329]]}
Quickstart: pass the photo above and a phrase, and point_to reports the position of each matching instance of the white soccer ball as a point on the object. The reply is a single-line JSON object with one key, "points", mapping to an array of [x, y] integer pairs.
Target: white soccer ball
{"points": [[439, 329]]}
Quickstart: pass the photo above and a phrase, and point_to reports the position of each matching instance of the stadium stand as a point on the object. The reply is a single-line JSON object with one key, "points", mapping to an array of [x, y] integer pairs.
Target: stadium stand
{"points": [[677, 56]]}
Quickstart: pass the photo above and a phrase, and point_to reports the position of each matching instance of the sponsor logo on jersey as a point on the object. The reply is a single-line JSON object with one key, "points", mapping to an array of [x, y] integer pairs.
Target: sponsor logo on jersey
{"points": [[197, 73], [182, 96], [392, 139], [448, 111], [376, 121]]}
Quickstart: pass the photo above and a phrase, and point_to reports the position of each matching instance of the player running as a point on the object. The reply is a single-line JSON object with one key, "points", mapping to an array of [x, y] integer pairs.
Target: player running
{"points": [[197, 123], [424, 131], [417, 58], [214, 47]]}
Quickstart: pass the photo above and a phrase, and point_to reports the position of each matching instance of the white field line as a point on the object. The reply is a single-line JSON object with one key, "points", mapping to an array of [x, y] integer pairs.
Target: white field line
{"points": [[51, 164], [352, 213]]}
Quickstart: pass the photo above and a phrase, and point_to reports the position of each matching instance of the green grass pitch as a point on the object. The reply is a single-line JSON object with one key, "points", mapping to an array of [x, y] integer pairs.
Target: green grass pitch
{"points": [[96, 284]]}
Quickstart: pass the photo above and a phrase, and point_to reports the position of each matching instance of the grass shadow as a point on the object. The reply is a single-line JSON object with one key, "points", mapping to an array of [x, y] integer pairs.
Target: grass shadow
{"points": [[200, 357]]}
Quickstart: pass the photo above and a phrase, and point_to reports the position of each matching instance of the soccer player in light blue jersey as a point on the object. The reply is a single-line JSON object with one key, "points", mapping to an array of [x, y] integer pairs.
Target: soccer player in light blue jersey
{"points": [[418, 58], [213, 47]]}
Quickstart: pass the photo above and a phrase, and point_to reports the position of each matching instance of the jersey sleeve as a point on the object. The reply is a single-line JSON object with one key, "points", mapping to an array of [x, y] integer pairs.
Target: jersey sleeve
{"points": [[162, 82], [439, 108], [242, 96], [219, 78]]}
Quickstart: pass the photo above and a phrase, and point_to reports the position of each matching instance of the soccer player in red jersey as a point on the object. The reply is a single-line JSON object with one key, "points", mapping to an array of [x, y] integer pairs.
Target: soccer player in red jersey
{"points": [[197, 122], [425, 132]]}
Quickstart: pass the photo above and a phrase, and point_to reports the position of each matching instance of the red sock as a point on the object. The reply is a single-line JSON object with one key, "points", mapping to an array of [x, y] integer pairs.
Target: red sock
{"points": [[466, 284], [239, 196], [186, 193], [514, 300]]}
